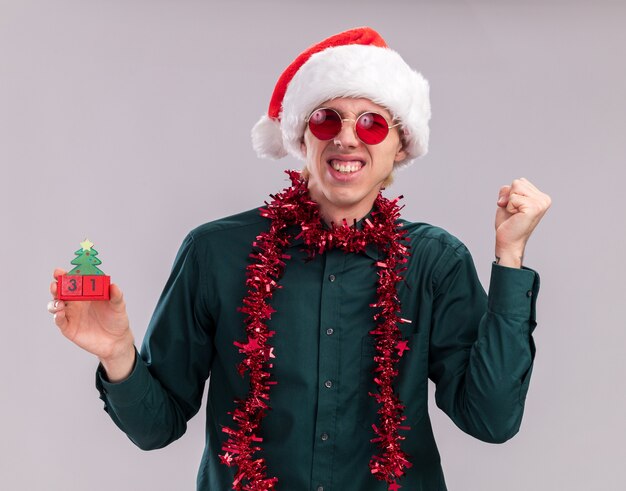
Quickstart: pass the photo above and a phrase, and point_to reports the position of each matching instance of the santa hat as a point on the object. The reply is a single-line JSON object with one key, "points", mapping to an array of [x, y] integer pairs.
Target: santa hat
{"points": [[354, 63]]}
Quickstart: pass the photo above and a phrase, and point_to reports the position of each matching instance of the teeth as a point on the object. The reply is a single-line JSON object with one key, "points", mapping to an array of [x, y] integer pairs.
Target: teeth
{"points": [[344, 166]]}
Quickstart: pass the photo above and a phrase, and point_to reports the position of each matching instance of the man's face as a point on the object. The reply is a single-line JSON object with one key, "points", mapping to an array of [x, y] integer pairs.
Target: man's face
{"points": [[345, 173]]}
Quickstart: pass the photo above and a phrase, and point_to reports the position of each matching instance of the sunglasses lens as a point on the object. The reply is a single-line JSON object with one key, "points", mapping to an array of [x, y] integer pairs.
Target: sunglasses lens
{"points": [[325, 124], [371, 128]]}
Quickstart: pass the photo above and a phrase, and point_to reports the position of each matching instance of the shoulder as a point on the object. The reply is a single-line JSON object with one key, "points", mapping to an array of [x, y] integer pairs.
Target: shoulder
{"points": [[225, 238], [434, 251], [245, 225], [425, 235]]}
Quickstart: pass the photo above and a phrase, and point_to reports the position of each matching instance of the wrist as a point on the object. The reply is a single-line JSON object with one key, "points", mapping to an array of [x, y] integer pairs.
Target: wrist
{"points": [[119, 364], [511, 257]]}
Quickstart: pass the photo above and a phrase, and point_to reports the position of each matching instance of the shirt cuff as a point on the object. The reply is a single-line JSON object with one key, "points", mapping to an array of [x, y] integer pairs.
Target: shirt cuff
{"points": [[513, 291], [127, 392]]}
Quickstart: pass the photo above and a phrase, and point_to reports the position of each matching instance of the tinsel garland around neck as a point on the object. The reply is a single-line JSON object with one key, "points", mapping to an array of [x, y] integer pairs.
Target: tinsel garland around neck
{"points": [[293, 206]]}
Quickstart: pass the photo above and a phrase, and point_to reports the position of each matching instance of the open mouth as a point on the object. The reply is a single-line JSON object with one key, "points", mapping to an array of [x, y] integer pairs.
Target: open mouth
{"points": [[346, 166]]}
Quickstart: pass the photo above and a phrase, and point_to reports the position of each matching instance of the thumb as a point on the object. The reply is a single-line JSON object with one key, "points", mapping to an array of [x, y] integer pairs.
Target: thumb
{"points": [[116, 297], [503, 196]]}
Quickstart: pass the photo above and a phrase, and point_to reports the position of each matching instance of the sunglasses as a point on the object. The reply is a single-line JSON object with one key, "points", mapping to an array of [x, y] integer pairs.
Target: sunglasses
{"points": [[371, 128]]}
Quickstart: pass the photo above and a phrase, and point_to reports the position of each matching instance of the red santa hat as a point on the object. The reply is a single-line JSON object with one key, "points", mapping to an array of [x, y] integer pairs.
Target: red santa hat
{"points": [[354, 63]]}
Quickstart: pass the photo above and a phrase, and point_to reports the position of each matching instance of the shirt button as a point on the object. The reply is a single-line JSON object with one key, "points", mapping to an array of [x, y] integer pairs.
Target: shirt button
{"points": [[331, 278], [324, 437], [529, 293], [328, 384], [330, 331]]}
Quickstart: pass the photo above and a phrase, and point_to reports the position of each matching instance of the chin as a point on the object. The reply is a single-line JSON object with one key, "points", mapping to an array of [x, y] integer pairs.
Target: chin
{"points": [[344, 196]]}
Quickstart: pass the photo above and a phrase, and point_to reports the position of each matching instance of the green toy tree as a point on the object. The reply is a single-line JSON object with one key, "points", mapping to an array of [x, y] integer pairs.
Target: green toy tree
{"points": [[86, 263]]}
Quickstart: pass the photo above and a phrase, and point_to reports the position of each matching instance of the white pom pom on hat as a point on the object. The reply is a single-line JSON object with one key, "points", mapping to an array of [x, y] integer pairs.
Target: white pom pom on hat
{"points": [[354, 63]]}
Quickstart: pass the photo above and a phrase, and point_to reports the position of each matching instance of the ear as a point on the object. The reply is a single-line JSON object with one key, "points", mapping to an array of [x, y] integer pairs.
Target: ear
{"points": [[401, 154], [303, 146]]}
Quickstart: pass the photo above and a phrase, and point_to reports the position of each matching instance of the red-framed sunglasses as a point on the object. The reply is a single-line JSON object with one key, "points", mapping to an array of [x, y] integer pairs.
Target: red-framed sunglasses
{"points": [[371, 128]]}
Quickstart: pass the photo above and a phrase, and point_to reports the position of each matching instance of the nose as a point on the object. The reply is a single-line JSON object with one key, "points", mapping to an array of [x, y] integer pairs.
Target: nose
{"points": [[347, 138]]}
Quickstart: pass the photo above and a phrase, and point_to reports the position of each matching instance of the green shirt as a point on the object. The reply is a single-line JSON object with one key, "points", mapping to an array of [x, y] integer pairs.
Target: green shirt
{"points": [[477, 349]]}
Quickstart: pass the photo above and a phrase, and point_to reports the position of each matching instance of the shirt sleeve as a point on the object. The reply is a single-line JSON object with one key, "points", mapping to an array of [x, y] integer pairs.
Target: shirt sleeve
{"points": [[481, 349], [164, 390]]}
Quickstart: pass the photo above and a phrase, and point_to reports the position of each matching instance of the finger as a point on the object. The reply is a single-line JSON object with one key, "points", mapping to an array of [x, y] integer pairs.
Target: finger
{"points": [[530, 184], [520, 187], [53, 289], [55, 306], [54, 286], [516, 201], [503, 195], [60, 320], [527, 182], [525, 187]]}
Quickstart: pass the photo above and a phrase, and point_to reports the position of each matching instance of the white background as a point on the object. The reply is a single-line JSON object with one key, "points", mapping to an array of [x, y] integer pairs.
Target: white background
{"points": [[128, 122]]}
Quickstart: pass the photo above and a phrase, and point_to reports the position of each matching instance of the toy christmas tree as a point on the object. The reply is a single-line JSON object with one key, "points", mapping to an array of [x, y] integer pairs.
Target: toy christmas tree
{"points": [[86, 261], [85, 281]]}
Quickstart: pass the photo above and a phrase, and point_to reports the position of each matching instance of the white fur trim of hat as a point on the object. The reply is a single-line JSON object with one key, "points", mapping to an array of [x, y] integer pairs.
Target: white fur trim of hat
{"points": [[351, 70]]}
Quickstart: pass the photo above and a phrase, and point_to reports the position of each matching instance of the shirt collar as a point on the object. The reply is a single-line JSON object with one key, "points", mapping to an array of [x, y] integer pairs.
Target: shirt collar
{"points": [[371, 250]]}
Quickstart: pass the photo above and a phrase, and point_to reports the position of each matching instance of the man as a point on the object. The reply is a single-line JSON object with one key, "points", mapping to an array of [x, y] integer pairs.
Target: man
{"points": [[321, 316]]}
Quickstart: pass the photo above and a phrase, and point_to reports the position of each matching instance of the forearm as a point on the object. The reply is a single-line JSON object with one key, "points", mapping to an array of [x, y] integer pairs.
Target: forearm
{"points": [[141, 407], [161, 389], [483, 386], [497, 375]]}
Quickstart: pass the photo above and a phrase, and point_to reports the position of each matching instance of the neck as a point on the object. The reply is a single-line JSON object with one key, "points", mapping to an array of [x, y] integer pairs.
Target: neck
{"points": [[337, 217], [334, 213]]}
